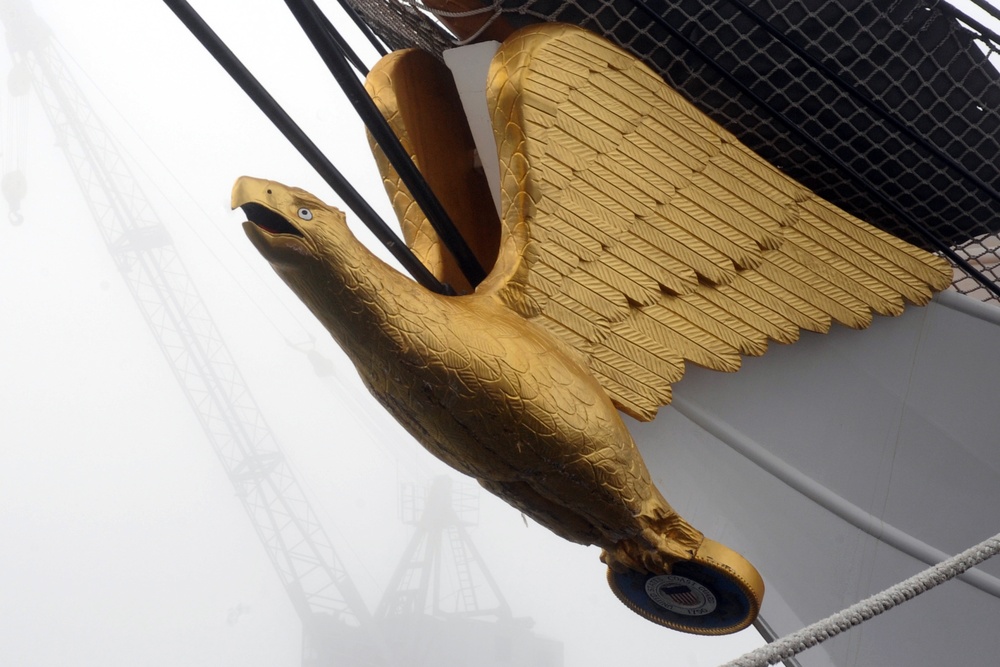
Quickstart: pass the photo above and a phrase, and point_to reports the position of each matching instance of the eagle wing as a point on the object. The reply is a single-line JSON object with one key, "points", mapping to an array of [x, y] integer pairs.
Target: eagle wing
{"points": [[417, 95], [643, 234]]}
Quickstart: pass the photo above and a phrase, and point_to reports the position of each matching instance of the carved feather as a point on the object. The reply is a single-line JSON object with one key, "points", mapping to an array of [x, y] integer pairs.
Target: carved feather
{"points": [[644, 235]]}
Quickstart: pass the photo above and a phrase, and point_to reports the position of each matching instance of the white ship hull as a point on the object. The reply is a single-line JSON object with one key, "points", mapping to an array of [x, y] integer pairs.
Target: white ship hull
{"points": [[845, 463]]}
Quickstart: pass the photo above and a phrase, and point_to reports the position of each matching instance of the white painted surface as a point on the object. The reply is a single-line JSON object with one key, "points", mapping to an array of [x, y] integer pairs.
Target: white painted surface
{"points": [[470, 66], [845, 463]]}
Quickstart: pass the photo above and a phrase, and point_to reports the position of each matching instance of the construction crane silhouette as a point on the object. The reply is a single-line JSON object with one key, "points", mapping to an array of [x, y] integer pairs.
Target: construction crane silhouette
{"points": [[443, 587], [441, 539], [337, 626]]}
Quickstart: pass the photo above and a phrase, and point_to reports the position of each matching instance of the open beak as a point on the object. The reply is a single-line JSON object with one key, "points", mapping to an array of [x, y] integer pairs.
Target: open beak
{"points": [[273, 234]]}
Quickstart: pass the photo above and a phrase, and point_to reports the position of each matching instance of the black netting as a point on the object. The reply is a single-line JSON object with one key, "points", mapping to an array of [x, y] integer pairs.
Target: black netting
{"points": [[917, 143], [400, 25]]}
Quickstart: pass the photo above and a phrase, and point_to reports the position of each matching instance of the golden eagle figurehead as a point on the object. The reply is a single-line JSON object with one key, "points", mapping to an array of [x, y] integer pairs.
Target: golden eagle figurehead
{"points": [[636, 235]]}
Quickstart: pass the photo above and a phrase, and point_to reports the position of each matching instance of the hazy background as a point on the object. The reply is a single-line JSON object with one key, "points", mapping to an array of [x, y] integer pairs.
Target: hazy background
{"points": [[121, 539]]}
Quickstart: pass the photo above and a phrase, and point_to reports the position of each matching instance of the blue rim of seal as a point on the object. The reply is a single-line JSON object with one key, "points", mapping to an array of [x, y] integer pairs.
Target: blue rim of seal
{"points": [[733, 608]]}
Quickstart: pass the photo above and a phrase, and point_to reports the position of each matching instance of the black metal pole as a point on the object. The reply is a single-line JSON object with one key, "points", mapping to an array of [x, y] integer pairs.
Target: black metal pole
{"points": [[918, 226], [343, 47], [957, 13], [312, 22], [242, 76], [363, 27]]}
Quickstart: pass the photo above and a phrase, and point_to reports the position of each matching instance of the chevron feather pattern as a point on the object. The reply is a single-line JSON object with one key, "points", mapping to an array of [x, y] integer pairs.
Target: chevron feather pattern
{"points": [[646, 236]]}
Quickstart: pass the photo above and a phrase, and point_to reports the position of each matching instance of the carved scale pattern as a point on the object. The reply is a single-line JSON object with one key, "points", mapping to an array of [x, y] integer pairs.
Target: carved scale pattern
{"points": [[648, 236], [643, 234]]}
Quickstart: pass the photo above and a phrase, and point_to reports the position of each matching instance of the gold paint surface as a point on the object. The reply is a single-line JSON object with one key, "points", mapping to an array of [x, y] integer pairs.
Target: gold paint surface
{"points": [[636, 235], [704, 246], [490, 393], [416, 94]]}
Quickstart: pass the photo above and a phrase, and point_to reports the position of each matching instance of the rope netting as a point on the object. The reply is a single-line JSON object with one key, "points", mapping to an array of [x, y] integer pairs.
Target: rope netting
{"points": [[890, 110], [401, 25]]}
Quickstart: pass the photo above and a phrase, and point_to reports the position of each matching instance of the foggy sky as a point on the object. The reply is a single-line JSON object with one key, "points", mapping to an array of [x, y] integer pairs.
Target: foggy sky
{"points": [[121, 540]]}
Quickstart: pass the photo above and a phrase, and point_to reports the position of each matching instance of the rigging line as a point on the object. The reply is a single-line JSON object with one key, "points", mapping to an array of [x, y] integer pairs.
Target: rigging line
{"points": [[983, 31], [494, 8], [990, 9], [831, 626], [343, 48], [363, 27], [311, 19], [913, 223], [294, 134], [875, 107]]}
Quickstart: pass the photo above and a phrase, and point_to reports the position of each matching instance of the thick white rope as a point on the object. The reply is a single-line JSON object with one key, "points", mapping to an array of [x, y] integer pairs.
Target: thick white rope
{"points": [[831, 626], [495, 9]]}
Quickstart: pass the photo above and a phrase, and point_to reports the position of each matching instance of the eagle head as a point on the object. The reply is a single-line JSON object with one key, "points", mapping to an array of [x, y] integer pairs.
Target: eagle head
{"points": [[291, 228]]}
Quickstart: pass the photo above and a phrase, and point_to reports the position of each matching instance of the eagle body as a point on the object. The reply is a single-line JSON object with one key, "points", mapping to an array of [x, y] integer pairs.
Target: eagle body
{"points": [[511, 406], [635, 236], [491, 394]]}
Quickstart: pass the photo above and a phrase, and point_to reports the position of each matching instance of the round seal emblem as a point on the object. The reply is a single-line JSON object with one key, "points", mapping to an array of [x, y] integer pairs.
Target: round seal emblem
{"points": [[715, 593], [680, 595]]}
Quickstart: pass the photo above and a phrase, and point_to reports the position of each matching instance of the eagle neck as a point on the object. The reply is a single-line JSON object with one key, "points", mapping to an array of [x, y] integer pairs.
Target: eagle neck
{"points": [[364, 303]]}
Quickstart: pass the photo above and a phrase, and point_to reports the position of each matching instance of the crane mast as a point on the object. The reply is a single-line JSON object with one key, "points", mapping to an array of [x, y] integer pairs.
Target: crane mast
{"points": [[286, 524], [441, 534]]}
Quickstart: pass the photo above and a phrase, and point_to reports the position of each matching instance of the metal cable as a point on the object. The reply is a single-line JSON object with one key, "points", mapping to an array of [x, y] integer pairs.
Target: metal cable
{"points": [[312, 20], [363, 27], [242, 76]]}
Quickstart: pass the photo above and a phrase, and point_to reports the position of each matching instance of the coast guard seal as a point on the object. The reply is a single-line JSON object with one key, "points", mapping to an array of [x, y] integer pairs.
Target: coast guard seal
{"points": [[702, 596]]}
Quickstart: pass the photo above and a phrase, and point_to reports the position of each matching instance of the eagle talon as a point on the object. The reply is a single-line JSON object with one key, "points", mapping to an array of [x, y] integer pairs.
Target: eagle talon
{"points": [[623, 559], [655, 557]]}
